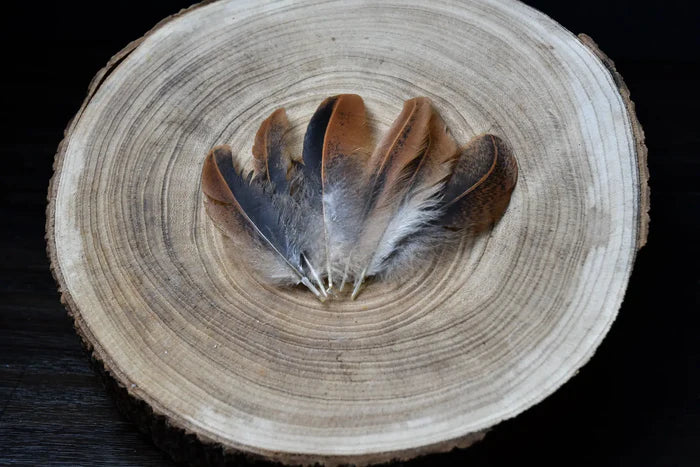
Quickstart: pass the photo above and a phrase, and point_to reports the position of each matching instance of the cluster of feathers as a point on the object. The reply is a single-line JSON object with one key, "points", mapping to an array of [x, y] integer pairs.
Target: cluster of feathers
{"points": [[346, 210]]}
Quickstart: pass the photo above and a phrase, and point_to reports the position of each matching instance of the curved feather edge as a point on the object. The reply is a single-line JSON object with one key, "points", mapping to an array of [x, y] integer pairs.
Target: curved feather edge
{"points": [[421, 205], [362, 214], [271, 160], [480, 187]]}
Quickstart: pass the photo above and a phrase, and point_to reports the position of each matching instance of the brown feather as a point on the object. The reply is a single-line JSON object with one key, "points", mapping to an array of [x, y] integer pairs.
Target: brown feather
{"points": [[347, 133], [347, 144], [479, 190], [271, 161], [397, 154], [375, 210], [219, 202], [441, 152], [409, 166], [241, 209], [213, 183]]}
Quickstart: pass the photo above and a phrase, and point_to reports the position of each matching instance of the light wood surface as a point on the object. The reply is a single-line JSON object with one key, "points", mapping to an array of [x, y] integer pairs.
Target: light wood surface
{"points": [[176, 318]]}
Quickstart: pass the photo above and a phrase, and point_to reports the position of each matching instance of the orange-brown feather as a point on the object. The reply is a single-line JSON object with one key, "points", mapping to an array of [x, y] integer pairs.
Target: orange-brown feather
{"points": [[270, 160], [439, 156], [213, 183], [401, 147], [219, 202], [347, 133], [481, 185], [242, 209]]}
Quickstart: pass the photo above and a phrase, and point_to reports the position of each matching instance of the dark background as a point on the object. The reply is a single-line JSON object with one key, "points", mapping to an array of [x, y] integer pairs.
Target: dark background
{"points": [[637, 403]]}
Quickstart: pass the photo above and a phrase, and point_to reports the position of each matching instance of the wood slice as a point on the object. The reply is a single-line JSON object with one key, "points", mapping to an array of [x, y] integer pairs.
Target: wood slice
{"points": [[233, 365]]}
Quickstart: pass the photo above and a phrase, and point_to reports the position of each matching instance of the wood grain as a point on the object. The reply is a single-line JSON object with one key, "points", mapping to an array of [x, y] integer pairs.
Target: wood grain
{"points": [[491, 329]]}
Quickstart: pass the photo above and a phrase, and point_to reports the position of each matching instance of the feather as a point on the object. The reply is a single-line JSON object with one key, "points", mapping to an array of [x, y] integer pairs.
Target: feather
{"points": [[276, 170], [308, 188], [336, 147], [271, 161], [274, 167], [421, 205], [241, 204], [479, 190], [392, 168], [346, 148], [476, 195], [312, 152]]}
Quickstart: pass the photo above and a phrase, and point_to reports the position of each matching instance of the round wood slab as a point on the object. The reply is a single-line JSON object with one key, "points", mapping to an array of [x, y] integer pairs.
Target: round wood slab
{"points": [[181, 324]]}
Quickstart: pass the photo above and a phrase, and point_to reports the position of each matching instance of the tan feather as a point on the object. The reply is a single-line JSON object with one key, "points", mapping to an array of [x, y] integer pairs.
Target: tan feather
{"points": [[347, 133], [395, 158], [420, 206]]}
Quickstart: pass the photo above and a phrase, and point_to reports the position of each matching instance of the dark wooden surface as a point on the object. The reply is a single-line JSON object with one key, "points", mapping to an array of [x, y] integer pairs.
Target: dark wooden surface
{"points": [[637, 403]]}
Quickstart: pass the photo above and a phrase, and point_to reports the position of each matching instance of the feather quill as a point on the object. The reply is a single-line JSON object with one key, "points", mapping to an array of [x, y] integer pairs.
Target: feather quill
{"points": [[346, 148], [273, 165], [309, 188], [421, 204]]}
